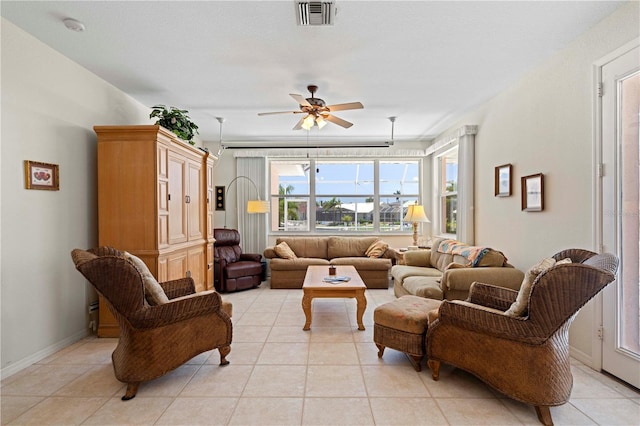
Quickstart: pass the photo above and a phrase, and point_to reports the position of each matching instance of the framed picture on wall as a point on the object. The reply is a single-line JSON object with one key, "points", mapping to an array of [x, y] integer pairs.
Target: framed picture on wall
{"points": [[533, 193], [41, 175], [502, 181]]}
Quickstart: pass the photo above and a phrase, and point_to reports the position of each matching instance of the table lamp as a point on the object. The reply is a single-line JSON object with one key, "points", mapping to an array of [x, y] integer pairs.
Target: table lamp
{"points": [[415, 214]]}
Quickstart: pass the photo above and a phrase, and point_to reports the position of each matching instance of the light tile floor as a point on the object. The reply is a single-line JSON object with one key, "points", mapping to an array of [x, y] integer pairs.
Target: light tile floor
{"points": [[281, 375]]}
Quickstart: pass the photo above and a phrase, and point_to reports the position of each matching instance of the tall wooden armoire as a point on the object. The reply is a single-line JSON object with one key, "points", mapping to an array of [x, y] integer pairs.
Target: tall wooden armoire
{"points": [[155, 200]]}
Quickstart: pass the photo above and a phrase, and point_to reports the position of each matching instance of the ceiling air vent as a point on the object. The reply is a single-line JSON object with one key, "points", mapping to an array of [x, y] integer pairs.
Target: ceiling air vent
{"points": [[316, 13]]}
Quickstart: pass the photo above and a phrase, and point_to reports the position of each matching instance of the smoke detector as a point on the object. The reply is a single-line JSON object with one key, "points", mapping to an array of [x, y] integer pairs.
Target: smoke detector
{"points": [[316, 13], [73, 25]]}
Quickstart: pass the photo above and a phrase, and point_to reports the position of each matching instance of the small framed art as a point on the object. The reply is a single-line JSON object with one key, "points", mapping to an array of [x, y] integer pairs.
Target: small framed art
{"points": [[502, 181], [41, 175], [533, 192]]}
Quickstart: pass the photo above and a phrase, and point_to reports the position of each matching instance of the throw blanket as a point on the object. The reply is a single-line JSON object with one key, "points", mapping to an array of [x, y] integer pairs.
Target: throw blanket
{"points": [[473, 254]]}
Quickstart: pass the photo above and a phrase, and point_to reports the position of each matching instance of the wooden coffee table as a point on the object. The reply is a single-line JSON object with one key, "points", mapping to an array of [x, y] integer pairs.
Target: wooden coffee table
{"points": [[314, 286]]}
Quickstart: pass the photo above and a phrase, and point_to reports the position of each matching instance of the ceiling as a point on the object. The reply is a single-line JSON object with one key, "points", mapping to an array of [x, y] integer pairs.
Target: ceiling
{"points": [[425, 62]]}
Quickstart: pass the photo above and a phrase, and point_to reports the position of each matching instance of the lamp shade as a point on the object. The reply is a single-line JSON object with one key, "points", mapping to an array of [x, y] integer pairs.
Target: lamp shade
{"points": [[308, 121], [415, 213], [257, 206], [320, 122]]}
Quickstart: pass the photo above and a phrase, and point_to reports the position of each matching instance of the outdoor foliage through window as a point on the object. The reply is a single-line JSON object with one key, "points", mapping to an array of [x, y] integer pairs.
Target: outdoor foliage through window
{"points": [[449, 191], [343, 196]]}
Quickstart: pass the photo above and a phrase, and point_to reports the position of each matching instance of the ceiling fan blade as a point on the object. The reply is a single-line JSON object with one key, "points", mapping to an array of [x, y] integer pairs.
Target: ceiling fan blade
{"points": [[301, 100], [279, 112], [343, 107], [298, 126], [338, 121]]}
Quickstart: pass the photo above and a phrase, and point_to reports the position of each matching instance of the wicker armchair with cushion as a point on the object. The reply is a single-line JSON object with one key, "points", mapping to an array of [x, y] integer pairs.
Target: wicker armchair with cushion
{"points": [[161, 325], [517, 342]]}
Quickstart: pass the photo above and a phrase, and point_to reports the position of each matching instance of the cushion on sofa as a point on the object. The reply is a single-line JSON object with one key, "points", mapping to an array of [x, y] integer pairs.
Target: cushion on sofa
{"points": [[153, 292], [364, 263], [297, 264], [348, 246], [420, 258], [519, 307], [377, 249], [400, 272], [307, 246], [427, 287], [284, 251]]}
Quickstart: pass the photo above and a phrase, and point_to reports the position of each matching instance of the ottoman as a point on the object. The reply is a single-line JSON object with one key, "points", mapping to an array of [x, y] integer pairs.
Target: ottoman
{"points": [[402, 325]]}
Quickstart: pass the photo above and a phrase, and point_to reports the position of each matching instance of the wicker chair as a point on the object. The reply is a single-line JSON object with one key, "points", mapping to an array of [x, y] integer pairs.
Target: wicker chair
{"points": [[154, 339], [524, 357]]}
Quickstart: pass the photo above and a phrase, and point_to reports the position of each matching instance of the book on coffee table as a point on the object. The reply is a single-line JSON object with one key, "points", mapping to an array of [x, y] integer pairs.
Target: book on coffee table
{"points": [[336, 279]]}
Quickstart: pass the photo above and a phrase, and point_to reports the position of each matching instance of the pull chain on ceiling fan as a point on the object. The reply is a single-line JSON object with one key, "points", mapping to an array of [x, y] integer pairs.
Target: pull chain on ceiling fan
{"points": [[318, 113]]}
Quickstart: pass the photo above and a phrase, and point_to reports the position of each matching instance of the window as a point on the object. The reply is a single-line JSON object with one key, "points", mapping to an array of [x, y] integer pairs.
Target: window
{"points": [[448, 191], [343, 195], [290, 185]]}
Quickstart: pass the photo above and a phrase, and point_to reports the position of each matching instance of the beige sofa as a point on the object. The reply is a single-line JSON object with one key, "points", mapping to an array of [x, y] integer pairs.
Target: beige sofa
{"points": [[289, 273], [448, 269]]}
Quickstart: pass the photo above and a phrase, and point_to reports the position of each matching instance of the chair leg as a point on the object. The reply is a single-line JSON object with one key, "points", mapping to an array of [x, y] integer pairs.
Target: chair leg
{"points": [[380, 350], [132, 389], [435, 369], [224, 351], [416, 361], [544, 415]]}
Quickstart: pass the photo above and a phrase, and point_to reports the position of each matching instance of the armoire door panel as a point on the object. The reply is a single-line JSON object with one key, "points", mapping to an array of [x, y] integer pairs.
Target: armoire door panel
{"points": [[163, 230], [163, 159], [177, 205], [162, 270], [196, 266], [196, 219], [177, 265]]}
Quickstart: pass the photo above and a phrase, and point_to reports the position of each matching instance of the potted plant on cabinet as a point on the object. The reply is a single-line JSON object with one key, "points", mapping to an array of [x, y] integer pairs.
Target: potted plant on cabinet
{"points": [[175, 120]]}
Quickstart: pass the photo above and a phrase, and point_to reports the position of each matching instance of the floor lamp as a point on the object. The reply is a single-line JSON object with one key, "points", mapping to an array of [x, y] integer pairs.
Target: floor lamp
{"points": [[253, 206], [415, 214]]}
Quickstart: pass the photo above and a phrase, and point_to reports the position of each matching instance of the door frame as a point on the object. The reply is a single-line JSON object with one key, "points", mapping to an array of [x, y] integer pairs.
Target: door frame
{"points": [[597, 238]]}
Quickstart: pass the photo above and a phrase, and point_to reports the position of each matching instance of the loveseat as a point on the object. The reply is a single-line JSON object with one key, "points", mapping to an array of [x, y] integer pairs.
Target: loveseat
{"points": [[447, 270], [290, 256]]}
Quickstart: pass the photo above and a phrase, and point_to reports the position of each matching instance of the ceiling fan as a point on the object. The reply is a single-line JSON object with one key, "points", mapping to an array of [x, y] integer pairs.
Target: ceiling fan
{"points": [[317, 112]]}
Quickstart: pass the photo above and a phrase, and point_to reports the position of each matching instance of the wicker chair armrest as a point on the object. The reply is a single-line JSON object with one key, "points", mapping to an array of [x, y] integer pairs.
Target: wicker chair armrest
{"points": [[254, 257], [491, 296], [178, 288], [488, 321], [180, 309]]}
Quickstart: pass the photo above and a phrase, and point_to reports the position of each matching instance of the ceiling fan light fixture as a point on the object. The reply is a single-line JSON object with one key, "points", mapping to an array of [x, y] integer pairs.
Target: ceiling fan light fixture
{"points": [[307, 123], [321, 122]]}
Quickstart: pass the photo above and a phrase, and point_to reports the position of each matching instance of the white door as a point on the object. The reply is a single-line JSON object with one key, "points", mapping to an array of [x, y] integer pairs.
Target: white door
{"points": [[620, 108]]}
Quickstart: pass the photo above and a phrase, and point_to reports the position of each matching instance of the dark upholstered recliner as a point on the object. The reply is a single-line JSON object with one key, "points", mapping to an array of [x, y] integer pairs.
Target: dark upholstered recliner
{"points": [[162, 325], [525, 356], [234, 270]]}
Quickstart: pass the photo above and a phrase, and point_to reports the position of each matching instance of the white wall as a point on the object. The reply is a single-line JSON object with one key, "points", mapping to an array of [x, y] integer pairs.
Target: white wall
{"points": [[543, 124], [49, 107]]}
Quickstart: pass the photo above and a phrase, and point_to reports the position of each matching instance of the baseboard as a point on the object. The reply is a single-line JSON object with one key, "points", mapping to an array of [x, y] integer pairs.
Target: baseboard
{"points": [[42, 354], [581, 356]]}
